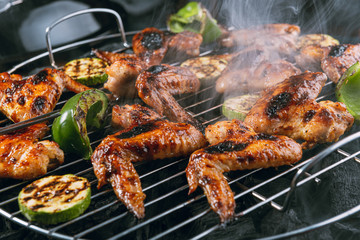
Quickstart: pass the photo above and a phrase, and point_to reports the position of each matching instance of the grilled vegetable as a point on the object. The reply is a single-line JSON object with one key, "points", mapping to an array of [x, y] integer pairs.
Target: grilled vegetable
{"points": [[207, 69], [348, 89], [82, 111], [88, 71], [238, 107], [195, 18], [55, 199]]}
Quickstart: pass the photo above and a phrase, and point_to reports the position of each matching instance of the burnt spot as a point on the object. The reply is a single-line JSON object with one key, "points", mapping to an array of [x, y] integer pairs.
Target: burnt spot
{"points": [[264, 136], [40, 77], [226, 146], [309, 115], [39, 104], [278, 103], [156, 69], [137, 130], [21, 100], [15, 86], [152, 40], [337, 51]]}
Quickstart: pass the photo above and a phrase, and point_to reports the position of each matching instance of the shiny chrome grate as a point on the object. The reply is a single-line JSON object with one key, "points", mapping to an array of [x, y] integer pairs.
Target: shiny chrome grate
{"points": [[170, 212]]}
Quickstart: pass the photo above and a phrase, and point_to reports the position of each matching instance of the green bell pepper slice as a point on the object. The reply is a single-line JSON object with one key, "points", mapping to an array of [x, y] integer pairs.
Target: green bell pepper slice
{"points": [[84, 110], [193, 17]]}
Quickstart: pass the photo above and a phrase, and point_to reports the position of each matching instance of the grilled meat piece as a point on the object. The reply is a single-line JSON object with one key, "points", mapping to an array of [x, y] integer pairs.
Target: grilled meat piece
{"points": [[276, 38], [151, 140], [249, 72], [338, 59], [235, 147], [23, 156], [157, 85], [289, 108], [24, 99], [111, 57], [150, 45]]}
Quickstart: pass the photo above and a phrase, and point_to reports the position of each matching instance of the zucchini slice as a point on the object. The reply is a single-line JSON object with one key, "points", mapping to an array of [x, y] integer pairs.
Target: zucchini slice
{"points": [[55, 199], [87, 71], [238, 107], [207, 69]]}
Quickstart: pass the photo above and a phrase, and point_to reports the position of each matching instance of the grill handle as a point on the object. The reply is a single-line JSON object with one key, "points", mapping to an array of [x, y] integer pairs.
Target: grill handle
{"points": [[81, 12], [316, 159]]}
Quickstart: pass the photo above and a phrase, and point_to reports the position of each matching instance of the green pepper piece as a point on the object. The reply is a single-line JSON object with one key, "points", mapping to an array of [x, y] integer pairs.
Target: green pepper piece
{"points": [[84, 110], [193, 17], [348, 90]]}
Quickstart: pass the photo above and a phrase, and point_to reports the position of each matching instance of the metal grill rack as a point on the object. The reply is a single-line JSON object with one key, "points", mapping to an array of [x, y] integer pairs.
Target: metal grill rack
{"points": [[170, 211]]}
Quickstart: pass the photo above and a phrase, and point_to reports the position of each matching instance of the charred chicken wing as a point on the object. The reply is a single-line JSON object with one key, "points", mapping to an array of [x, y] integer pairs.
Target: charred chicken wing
{"points": [[289, 108], [235, 146], [153, 139], [23, 156], [157, 85], [24, 99]]}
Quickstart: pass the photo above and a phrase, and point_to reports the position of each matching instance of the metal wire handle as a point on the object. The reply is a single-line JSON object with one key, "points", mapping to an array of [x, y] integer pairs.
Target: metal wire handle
{"points": [[81, 12], [317, 158]]}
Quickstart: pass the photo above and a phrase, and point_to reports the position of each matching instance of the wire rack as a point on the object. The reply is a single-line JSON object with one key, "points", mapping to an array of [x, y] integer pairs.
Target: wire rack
{"points": [[170, 211]]}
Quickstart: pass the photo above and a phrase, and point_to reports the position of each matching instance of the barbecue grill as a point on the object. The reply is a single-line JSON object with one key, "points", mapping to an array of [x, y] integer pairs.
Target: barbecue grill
{"points": [[273, 203]]}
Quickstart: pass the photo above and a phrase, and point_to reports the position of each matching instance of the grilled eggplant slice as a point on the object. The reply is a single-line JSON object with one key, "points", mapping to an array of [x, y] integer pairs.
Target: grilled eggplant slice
{"points": [[207, 69], [87, 71], [55, 199]]}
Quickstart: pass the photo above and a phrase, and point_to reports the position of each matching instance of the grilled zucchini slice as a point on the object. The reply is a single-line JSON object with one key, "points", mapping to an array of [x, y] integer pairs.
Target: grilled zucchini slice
{"points": [[55, 199], [88, 71], [207, 69], [238, 107]]}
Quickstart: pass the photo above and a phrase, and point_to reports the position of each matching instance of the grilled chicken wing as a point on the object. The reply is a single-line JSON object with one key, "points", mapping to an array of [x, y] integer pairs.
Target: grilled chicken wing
{"points": [[250, 70], [289, 108], [151, 140], [157, 85], [24, 99], [24, 157], [235, 146], [338, 59]]}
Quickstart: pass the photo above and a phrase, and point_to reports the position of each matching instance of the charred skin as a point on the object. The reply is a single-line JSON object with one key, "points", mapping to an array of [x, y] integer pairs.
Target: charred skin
{"points": [[289, 108], [23, 156], [237, 147], [24, 99], [150, 45], [151, 140], [157, 85], [337, 59]]}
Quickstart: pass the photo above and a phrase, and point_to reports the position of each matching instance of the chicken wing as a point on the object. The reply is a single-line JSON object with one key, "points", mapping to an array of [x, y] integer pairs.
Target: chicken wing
{"points": [[24, 157], [151, 140], [24, 99], [235, 146], [157, 85], [338, 59], [289, 108]]}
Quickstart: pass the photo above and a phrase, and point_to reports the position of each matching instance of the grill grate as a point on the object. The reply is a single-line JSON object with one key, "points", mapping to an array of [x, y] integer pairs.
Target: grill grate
{"points": [[170, 212]]}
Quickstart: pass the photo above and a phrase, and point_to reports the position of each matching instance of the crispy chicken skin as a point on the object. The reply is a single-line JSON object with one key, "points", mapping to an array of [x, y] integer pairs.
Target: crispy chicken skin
{"points": [[24, 99], [337, 59], [289, 108], [235, 146], [151, 140], [157, 85], [150, 45], [24, 157]]}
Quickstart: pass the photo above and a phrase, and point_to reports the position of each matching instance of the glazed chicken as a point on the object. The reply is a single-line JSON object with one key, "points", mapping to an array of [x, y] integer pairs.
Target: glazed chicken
{"points": [[152, 45], [150, 139], [122, 72], [157, 85], [24, 99], [337, 59], [235, 146], [23, 156], [289, 108], [250, 70]]}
